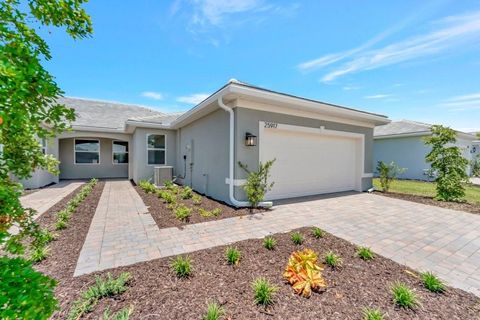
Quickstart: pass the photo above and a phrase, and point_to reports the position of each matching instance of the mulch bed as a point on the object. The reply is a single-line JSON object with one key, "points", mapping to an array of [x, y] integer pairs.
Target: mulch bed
{"points": [[155, 292], [165, 218], [462, 206], [64, 251]]}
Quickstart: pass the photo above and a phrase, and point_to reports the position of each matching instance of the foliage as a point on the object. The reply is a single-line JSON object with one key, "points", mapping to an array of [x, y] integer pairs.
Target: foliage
{"points": [[103, 287], [263, 291], [186, 193], [39, 253], [372, 314], [257, 184], [26, 293], [303, 272], [147, 186], [169, 185], [476, 166], [403, 296], [123, 314], [212, 213], [318, 233], [447, 161], [269, 243], [182, 212], [197, 199], [182, 266], [432, 282], [214, 312], [297, 238], [167, 196], [365, 253], [232, 255], [388, 173], [333, 260]]}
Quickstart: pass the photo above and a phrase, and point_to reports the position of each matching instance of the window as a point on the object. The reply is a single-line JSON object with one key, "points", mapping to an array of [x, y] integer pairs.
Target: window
{"points": [[155, 149], [120, 152], [43, 144], [87, 151]]}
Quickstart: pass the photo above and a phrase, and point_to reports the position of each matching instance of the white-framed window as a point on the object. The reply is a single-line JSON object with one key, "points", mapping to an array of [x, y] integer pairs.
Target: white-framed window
{"points": [[43, 144], [87, 151], [119, 152], [156, 149]]}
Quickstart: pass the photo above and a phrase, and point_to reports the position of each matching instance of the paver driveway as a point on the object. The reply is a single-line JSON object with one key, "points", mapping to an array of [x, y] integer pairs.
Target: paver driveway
{"points": [[423, 237]]}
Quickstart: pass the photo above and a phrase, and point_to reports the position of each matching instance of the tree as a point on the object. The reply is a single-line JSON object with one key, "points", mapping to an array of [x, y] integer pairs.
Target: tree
{"points": [[28, 112], [257, 184], [478, 135], [447, 162], [388, 172]]}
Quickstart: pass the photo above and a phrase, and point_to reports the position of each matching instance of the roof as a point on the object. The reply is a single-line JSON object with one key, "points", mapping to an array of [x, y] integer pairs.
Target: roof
{"points": [[164, 119], [407, 128]]}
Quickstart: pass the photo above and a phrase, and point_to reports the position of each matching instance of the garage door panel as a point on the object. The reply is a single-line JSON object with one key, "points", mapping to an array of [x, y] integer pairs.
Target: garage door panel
{"points": [[308, 163]]}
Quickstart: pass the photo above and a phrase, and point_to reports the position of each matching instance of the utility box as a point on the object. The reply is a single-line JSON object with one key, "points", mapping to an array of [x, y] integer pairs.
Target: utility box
{"points": [[162, 174]]}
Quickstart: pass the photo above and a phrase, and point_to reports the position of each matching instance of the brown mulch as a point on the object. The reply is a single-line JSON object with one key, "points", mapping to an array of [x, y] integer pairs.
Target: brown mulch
{"points": [[165, 218], [155, 292], [461, 206]]}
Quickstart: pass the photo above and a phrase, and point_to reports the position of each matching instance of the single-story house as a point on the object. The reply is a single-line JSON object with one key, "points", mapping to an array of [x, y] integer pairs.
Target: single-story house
{"points": [[318, 147], [402, 142]]}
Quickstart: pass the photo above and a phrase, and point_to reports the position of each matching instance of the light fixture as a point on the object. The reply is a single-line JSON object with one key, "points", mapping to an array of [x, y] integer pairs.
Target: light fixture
{"points": [[250, 139]]}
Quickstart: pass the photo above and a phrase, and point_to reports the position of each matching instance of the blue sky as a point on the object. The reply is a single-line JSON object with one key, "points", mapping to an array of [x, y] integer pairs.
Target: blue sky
{"points": [[415, 60]]}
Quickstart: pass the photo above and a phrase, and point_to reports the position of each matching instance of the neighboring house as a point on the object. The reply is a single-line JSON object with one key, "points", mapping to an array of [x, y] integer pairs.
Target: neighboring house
{"points": [[402, 142], [318, 147]]}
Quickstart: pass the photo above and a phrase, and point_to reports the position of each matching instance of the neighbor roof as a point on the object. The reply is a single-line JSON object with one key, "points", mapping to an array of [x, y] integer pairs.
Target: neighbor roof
{"points": [[406, 128]]}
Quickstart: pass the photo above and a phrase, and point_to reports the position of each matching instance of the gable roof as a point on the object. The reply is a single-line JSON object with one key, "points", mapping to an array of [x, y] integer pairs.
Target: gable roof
{"points": [[404, 128]]}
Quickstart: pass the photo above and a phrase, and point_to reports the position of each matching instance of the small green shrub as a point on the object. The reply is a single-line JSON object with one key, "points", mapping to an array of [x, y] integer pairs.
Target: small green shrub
{"points": [[403, 296], [297, 238], [318, 233], [212, 213], [232, 255], [169, 197], [257, 184], [182, 212], [103, 287], [197, 199], [182, 266], [45, 236], [147, 186], [432, 282], [333, 260], [263, 291], [39, 253], [372, 314], [123, 314], [60, 225], [214, 312], [186, 193], [269, 243], [365, 253]]}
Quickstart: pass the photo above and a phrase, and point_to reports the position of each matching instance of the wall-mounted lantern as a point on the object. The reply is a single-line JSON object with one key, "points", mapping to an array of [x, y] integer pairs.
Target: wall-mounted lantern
{"points": [[250, 140]]}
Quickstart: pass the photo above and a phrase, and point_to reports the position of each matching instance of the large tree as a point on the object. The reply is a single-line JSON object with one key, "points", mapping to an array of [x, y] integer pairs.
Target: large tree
{"points": [[28, 112]]}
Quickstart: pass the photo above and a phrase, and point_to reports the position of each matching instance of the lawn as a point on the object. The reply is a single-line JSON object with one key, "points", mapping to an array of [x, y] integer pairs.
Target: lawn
{"points": [[426, 189]]}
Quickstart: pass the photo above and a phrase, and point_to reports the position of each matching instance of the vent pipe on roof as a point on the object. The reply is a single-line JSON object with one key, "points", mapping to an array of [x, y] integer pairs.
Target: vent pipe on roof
{"points": [[231, 178]]}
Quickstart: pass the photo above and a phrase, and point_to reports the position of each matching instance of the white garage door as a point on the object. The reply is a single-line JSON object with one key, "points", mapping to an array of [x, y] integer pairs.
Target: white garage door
{"points": [[309, 163]]}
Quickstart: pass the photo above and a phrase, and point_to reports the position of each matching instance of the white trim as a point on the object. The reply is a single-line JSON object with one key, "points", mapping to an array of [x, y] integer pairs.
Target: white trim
{"points": [[236, 182], [367, 175], [44, 147], [158, 149], [128, 152], [75, 152]]}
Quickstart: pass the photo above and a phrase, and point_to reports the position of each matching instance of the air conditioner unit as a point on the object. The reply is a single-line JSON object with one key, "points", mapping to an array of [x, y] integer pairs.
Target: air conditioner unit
{"points": [[162, 174]]}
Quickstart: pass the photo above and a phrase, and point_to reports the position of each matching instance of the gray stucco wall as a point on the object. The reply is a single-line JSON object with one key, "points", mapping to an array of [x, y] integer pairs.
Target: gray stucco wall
{"points": [[42, 177], [140, 168], [205, 142], [406, 152], [105, 169], [247, 120]]}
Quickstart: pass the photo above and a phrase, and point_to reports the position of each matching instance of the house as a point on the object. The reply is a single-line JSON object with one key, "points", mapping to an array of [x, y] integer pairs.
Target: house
{"points": [[402, 142], [318, 147]]}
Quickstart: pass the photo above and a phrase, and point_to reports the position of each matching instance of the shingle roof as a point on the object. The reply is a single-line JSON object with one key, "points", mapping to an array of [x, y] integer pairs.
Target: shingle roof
{"points": [[401, 127], [103, 114], [164, 119]]}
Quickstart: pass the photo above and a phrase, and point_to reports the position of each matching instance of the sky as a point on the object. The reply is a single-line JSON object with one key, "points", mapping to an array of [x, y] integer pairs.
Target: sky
{"points": [[416, 60]]}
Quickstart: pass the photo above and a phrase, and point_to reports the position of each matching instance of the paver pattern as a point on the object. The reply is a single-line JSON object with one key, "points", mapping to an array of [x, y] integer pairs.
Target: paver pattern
{"points": [[423, 237]]}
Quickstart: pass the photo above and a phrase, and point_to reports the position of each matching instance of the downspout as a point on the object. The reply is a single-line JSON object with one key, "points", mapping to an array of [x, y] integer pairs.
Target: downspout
{"points": [[231, 179]]}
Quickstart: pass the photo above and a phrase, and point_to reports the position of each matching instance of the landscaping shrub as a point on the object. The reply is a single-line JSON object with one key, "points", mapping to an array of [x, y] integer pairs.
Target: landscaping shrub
{"points": [[263, 291], [123, 314], [182, 212], [214, 312], [303, 272], [365, 253], [212, 213], [182, 266], [432, 282], [39, 253], [318, 233], [103, 287], [333, 260], [197, 199], [232, 255], [297, 238], [372, 314], [388, 173], [257, 184], [447, 161], [186, 193], [147, 186], [169, 185], [403, 296], [269, 243], [476, 166]]}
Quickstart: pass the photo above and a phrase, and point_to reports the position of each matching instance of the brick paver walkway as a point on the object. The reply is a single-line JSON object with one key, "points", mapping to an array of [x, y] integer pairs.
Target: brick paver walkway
{"points": [[423, 237]]}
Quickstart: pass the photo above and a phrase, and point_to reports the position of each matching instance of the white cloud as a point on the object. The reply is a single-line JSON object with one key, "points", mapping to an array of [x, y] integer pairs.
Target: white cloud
{"points": [[215, 11], [378, 96], [463, 103], [195, 98], [350, 88], [152, 95]]}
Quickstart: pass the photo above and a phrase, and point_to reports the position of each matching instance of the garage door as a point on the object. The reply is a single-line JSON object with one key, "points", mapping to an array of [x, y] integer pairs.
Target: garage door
{"points": [[309, 163]]}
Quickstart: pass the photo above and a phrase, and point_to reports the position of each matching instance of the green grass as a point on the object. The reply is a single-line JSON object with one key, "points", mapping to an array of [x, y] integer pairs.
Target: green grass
{"points": [[427, 189], [232, 255], [432, 282], [318, 233], [214, 312], [365, 253], [263, 291], [403, 296], [333, 260], [297, 238], [372, 314], [269, 243], [182, 266]]}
